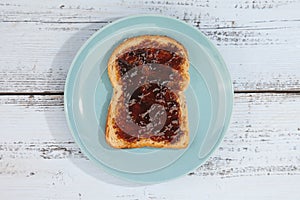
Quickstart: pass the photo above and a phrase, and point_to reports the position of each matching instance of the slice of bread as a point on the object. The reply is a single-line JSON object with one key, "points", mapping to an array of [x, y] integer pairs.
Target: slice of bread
{"points": [[149, 74]]}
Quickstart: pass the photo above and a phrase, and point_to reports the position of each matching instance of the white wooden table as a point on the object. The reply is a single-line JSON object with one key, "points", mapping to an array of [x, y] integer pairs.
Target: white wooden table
{"points": [[260, 155]]}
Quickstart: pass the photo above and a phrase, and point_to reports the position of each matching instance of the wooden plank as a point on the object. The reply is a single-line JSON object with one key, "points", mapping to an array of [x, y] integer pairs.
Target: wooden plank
{"points": [[205, 13], [36, 57], [259, 155], [56, 180], [259, 40]]}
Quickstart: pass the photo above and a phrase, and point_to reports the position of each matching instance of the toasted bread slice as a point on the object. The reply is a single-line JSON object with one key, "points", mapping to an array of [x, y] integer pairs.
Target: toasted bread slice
{"points": [[149, 74]]}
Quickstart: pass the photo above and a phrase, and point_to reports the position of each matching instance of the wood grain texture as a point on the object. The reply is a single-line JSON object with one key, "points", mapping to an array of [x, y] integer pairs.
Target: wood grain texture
{"points": [[259, 155], [259, 40]]}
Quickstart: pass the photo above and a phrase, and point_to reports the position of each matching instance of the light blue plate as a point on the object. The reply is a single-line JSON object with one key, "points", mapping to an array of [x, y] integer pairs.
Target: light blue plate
{"points": [[88, 92]]}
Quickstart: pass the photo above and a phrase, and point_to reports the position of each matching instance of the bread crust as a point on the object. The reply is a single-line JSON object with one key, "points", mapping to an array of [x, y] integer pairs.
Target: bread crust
{"points": [[116, 80]]}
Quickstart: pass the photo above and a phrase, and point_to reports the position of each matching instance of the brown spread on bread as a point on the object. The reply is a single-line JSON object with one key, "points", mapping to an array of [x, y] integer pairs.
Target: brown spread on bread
{"points": [[157, 59]]}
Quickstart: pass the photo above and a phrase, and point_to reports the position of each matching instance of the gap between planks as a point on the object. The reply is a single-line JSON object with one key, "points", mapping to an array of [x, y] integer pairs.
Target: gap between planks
{"points": [[235, 92], [30, 93], [195, 24]]}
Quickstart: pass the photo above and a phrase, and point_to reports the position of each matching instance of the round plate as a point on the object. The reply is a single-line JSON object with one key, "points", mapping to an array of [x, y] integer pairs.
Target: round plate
{"points": [[88, 92]]}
